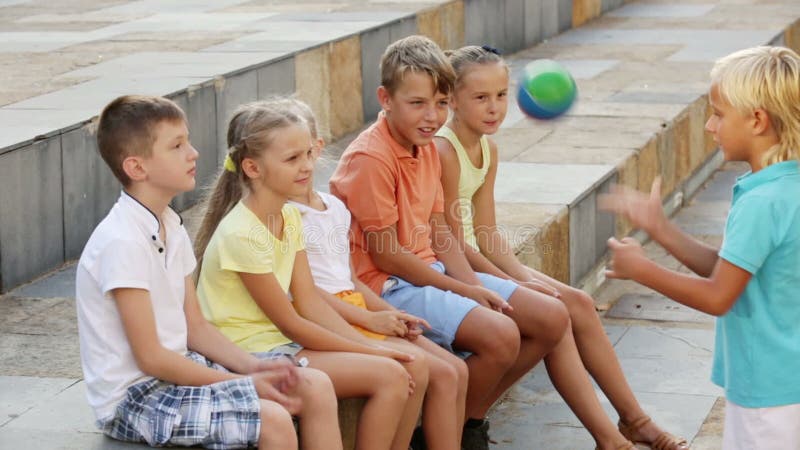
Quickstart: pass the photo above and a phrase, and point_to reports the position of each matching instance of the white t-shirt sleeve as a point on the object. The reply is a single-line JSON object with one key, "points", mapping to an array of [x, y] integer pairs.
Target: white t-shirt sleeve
{"points": [[124, 264]]}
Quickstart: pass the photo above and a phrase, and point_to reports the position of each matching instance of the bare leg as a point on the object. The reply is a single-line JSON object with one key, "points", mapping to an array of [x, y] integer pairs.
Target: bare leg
{"points": [[319, 421], [447, 386], [382, 381], [494, 342], [419, 371], [598, 355], [572, 382], [277, 430], [542, 321]]}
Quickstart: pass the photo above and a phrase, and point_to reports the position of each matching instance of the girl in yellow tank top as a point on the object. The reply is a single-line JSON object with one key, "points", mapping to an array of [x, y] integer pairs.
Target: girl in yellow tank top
{"points": [[469, 169]]}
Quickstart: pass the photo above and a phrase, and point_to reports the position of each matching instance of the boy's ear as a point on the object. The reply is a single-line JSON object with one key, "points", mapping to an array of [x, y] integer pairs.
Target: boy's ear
{"points": [[384, 98], [761, 121], [133, 168]]}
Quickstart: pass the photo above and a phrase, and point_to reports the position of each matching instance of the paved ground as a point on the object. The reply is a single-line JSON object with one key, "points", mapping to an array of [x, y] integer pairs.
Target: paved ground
{"points": [[665, 350]]}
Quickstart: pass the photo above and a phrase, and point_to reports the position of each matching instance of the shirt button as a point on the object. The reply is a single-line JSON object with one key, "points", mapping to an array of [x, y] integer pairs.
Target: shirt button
{"points": [[154, 238], [160, 250]]}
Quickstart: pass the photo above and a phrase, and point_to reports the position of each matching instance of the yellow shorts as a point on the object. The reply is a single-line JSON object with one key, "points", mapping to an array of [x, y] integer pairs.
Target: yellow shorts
{"points": [[357, 299]]}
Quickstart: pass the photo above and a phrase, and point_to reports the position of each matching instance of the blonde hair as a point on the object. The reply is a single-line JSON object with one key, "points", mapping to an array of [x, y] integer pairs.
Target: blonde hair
{"points": [[465, 57], [767, 78], [301, 109], [416, 54], [250, 133], [127, 127]]}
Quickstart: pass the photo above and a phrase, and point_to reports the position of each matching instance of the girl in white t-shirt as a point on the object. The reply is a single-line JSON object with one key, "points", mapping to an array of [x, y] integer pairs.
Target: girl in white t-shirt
{"points": [[326, 228]]}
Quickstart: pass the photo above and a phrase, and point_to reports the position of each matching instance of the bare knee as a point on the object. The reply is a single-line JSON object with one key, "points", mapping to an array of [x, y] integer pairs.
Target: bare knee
{"points": [[316, 390], [504, 340], [419, 369], [581, 306], [391, 380], [556, 324], [277, 429]]}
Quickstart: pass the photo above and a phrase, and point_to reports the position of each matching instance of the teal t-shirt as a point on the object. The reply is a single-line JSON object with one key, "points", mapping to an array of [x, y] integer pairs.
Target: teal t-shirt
{"points": [[757, 350]]}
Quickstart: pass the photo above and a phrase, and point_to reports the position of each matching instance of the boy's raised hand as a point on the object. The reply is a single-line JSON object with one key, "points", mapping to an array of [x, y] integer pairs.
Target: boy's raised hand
{"points": [[626, 258], [644, 211]]}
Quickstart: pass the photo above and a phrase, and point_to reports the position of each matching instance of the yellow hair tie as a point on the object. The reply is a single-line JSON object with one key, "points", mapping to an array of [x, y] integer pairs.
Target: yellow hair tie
{"points": [[229, 164]]}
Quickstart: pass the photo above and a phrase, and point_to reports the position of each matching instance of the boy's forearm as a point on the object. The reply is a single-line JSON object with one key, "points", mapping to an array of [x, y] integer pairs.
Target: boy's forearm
{"points": [[698, 256], [175, 368], [695, 292], [207, 340]]}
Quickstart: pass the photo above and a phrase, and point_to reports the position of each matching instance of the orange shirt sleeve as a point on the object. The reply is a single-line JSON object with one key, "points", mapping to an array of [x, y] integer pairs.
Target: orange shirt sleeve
{"points": [[368, 190], [438, 202]]}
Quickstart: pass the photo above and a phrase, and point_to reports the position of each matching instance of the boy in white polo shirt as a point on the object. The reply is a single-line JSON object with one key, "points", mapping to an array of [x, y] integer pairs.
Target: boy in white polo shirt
{"points": [[146, 349]]}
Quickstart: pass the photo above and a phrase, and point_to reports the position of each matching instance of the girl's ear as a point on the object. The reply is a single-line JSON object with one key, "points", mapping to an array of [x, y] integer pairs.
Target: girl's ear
{"points": [[134, 168], [250, 168], [761, 121]]}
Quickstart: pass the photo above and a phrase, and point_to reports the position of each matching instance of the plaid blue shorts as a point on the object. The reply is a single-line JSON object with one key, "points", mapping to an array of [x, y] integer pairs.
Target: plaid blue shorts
{"points": [[219, 416]]}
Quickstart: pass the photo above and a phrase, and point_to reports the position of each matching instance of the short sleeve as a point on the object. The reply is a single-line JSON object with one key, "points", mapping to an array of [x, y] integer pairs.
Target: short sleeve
{"points": [[124, 264], [188, 260], [749, 233], [370, 192], [251, 251], [438, 200], [294, 227]]}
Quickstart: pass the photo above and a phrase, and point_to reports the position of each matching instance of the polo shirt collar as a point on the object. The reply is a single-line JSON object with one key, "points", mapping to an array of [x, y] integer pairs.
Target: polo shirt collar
{"points": [[145, 219], [772, 172], [399, 150]]}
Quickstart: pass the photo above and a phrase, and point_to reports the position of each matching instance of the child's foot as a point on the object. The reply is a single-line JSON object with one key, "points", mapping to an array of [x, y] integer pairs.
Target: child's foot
{"points": [[475, 435], [645, 431]]}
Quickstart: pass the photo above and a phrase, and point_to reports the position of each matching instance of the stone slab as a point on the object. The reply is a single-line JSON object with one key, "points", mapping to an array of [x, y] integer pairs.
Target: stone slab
{"points": [[61, 440], [661, 11], [20, 394], [562, 184], [373, 44], [66, 411], [31, 233], [89, 188], [232, 91], [19, 127], [533, 22], [655, 307], [58, 284]]}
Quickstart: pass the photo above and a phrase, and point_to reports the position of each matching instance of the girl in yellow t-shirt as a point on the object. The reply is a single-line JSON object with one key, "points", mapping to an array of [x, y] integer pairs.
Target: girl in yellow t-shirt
{"points": [[255, 284]]}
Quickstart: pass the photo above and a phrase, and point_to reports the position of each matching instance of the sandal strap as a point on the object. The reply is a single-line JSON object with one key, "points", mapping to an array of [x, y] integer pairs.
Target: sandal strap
{"points": [[666, 441], [628, 429]]}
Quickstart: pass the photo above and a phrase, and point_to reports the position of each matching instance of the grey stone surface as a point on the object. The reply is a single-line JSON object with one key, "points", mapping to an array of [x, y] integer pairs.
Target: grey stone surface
{"points": [[405, 27], [57, 284], [310, 31], [90, 188], [31, 233], [276, 78], [589, 229], [533, 22], [677, 98], [560, 184], [475, 23], [199, 104], [661, 10], [514, 28], [655, 307], [16, 438], [341, 16], [550, 24], [50, 415], [263, 44], [585, 69], [373, 43], [232, 92], [564, 15], [608, 5], [18, 126], [20, 394]]}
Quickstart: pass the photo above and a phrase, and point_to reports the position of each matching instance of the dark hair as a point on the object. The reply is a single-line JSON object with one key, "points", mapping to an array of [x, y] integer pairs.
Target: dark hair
{"points": [[127, 127]]}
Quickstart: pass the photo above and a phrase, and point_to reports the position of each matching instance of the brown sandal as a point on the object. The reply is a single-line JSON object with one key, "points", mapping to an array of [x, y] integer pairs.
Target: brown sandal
{"points": [[664, 441]]}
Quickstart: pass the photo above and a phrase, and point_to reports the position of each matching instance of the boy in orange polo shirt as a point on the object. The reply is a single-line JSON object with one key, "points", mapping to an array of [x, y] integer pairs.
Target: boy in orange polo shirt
{"points": [[389, 178]]}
